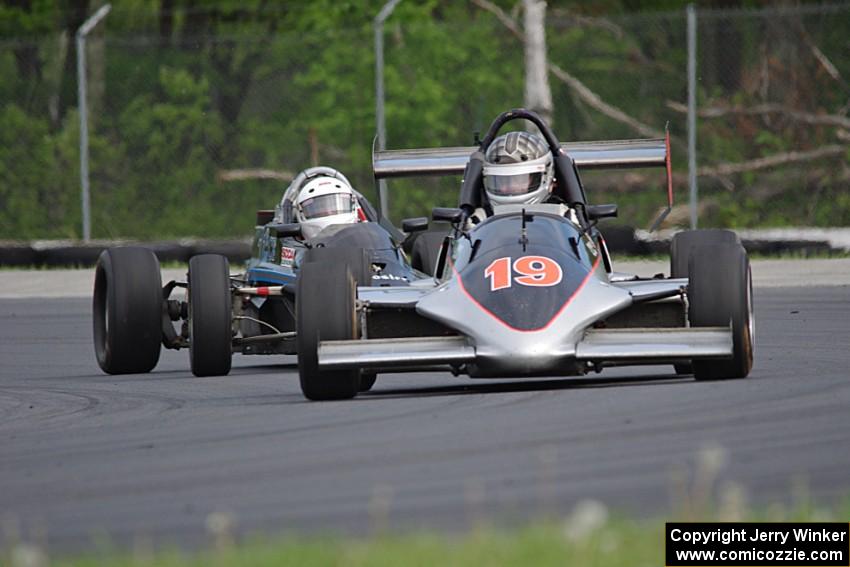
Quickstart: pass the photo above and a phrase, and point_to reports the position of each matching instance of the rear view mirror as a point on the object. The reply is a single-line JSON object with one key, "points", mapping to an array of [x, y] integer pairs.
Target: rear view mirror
{"points": [[415, 224], [446, 214], [286, 229], [596, 212]]}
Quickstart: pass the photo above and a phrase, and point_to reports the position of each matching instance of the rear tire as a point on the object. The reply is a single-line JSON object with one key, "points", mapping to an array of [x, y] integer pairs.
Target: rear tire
{"points": [[326, 310], [680, 252], [720, 290], [127, 310], [426, 250], [210, 315]]}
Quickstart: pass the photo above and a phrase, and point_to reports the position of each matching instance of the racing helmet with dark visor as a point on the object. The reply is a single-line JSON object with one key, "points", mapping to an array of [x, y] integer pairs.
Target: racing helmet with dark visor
{"points": [[513, 179]]}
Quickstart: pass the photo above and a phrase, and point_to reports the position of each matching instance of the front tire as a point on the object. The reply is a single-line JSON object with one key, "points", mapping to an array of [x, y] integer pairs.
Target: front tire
{"points": [[326, 310], [210, 315], [127, 310], [681, 246], [357, 259], [684, 242], [720, 291], [426, 251]]}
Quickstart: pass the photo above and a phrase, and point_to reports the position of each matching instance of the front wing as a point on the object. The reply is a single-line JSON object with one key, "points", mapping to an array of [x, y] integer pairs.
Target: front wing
{"points": [[642, 345], [598, 345]]}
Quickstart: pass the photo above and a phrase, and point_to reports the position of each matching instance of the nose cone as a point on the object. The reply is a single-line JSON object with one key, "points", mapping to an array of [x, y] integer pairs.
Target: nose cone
{"points": [[504, 350], [497, 286]]}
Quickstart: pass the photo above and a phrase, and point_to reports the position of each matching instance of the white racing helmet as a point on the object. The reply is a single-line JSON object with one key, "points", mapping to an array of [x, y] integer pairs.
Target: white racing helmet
{"points": [[518, 169], [324, 201]]}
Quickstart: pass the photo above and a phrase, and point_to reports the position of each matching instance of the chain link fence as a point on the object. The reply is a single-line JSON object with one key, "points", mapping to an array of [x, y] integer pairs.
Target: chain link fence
{"points": [[773, 126], [197, 121]]}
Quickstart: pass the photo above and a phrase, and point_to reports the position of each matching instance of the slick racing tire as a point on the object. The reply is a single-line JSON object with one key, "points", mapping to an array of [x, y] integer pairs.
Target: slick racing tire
{"points": [[367, 380], [210, 315], [127, 310], [685, 241], [426, 250], [720, 291], [356, 258], [680, 252], [325, 310]]}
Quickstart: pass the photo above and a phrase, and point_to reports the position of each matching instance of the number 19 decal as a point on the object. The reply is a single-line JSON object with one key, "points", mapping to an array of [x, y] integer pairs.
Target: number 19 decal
{"points": [[537, 271]]}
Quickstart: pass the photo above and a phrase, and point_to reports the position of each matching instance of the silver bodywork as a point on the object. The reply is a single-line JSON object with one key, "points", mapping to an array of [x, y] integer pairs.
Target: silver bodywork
{"points": [[610, 319], [587, 155], [499, 348], [574, 341]]}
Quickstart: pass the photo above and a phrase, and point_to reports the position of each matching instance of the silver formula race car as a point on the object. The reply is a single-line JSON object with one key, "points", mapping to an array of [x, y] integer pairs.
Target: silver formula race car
{"points": [[251, 312], [531, 290]]}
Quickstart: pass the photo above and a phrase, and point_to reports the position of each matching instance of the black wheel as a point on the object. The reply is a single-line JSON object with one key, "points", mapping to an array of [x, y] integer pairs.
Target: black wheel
{"points": [[367, 380], [210, 315], [356, 258], [680, 252], [325, 310], [426, 250], [127, 310], [720, 290], [683, 242]]}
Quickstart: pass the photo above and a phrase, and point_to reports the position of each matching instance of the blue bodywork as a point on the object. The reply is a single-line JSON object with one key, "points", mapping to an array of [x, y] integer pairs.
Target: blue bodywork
{"points": [[276, 261], [265, 267]]}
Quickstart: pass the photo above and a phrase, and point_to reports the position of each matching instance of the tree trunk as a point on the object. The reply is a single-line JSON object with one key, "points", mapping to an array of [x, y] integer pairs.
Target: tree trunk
{"points": [[75, 15], [166, 21], [96, 63], [538, 95]]}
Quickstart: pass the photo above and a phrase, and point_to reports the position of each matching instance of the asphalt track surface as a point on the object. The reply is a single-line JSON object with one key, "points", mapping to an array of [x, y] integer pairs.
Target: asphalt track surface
{"points": [[87, 457]]}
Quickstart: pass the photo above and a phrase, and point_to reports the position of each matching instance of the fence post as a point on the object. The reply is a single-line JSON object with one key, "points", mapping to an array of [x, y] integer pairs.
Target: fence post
{"points": [[82, 102], [692, 112], [385, 12]]}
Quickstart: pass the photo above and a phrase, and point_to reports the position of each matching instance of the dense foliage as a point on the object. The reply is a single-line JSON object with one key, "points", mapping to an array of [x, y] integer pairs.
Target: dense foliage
{"points": [[181, 92]]}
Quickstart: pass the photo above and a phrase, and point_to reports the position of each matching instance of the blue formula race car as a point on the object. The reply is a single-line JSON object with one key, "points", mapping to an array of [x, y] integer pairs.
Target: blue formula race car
{"points": [[320, 218]]}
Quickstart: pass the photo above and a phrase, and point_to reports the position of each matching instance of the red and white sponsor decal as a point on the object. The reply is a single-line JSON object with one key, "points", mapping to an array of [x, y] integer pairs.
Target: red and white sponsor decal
{"points": [[287, 256]]}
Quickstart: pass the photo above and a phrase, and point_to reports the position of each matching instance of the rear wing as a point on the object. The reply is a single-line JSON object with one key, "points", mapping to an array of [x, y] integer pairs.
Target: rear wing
{"points": [[609, 154], [587, 155]]}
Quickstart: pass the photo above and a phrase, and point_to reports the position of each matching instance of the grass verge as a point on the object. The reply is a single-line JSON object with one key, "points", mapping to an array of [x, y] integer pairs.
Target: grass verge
{"points": [[588, 537]]}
